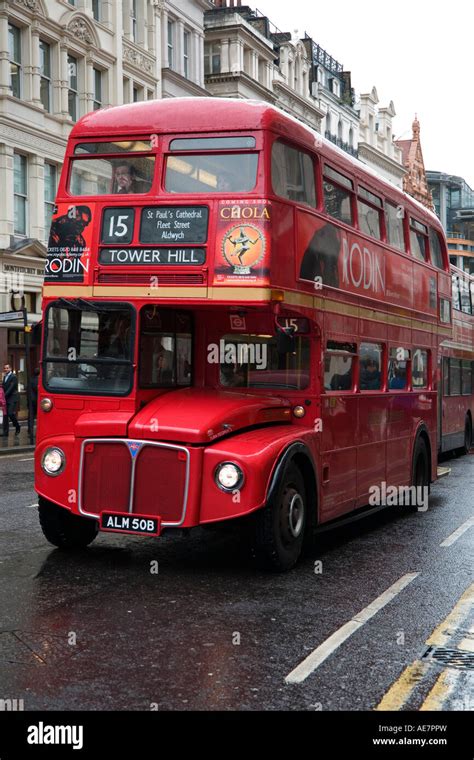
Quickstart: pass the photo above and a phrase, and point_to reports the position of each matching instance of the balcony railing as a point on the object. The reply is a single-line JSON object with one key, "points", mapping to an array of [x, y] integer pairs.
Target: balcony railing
{"points": [[341, 144]]}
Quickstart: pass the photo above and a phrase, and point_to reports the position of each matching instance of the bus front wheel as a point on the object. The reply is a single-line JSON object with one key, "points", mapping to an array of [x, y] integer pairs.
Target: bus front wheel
{"points": [[64, 530], [280, 526]]}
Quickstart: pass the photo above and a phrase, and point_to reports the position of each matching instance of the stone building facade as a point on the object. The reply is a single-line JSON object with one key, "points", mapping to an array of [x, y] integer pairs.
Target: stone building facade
{"points": [[246, 56], [60, 59], [377, 147]]}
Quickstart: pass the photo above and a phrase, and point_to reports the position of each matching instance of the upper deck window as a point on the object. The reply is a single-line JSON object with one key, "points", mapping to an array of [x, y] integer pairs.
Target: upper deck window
{"points": [[213, 143], [419, 240], [122, 146], [108, 176], [369, 219], [202, 173], [293, 174], [338, 191], [436, 249], [394, 216]]}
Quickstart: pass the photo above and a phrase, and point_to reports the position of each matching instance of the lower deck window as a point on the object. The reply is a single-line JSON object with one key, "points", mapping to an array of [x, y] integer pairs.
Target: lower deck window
{"points": [[339, 364], [165, 348], [256, 361]]}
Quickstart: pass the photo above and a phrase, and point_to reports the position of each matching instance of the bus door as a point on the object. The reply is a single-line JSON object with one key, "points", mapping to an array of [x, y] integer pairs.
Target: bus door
{"points": [[339, 406]]}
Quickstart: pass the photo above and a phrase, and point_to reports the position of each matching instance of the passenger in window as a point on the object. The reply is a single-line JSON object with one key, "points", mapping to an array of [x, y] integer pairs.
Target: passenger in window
{"points": [[164, 364], [370, 375], [398, 380], [126, 178], [342, 382], [232, 376], [225, 183]]}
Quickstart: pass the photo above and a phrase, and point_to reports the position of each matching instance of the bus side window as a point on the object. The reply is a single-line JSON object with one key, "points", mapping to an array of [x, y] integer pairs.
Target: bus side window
{"points": [[456, 293], [398, 364], [339, 366], [420, 370], [436, 250], [338, 191], [419, 240], [293, 174], [370, 367]]}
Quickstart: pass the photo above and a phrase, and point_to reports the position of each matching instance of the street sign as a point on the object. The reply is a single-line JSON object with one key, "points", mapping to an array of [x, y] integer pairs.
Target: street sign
{"points": [[10, 316]]}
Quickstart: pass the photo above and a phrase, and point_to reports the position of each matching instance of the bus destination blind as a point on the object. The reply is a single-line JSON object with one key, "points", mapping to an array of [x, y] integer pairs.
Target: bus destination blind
{"points": [[174, 225]]}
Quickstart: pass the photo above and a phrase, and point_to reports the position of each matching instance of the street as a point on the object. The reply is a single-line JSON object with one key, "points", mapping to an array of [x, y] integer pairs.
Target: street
{"points": [[190, 624]]}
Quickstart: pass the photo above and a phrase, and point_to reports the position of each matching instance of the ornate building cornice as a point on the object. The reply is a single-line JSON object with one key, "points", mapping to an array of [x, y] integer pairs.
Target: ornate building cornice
{"points": [[138, 59], [30, 5], [79, 29]]}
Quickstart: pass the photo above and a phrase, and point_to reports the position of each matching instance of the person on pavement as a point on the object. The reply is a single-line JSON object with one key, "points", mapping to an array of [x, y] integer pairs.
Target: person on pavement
{"points": [[10, 389]]}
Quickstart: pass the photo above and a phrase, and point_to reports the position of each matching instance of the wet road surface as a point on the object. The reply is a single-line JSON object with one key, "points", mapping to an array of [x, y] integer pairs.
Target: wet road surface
{"points": [[191, 624]]}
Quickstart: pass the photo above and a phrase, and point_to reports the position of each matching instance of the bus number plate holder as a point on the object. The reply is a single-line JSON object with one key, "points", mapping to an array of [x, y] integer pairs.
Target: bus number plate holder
{"points": [[123, 522]]}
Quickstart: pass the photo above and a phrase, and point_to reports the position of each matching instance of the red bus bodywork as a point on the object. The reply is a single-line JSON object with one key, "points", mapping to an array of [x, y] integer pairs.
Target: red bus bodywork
{"points": [[343, 441], [457, 369]]}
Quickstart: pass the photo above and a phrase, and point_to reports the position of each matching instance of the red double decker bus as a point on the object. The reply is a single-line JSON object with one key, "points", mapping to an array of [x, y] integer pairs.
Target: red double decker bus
{"points": [[240, 321], [457, 355]]}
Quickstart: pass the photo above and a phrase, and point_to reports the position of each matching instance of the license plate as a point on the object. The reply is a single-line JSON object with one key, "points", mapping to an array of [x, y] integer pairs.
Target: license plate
{"points": [[120, 522]]}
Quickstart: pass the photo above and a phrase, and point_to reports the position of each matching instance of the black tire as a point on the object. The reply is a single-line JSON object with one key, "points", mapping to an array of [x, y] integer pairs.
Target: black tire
{"points": [[420, 475], [467, 436], [64, 530], [280, 527]]}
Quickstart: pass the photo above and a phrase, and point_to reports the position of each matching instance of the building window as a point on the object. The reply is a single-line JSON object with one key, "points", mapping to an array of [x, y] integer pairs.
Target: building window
{"points": [[30, 302], [72, 92], [138, 93], [186, 46], [45, 70], [133, 20], [96, 10], [97, 88], [20, 190], [50, 175], [170, 43], [72, 2], [212, 58], [126, 89], [14, 51]]}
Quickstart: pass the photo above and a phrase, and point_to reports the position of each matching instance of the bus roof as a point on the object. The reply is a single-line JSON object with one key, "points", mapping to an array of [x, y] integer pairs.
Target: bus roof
{"points": [[175, 115]]}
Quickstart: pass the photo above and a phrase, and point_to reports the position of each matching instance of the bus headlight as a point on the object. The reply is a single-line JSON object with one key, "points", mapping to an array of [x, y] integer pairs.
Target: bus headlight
{"points": [[53, 461], [229, 476], [46, 404]]}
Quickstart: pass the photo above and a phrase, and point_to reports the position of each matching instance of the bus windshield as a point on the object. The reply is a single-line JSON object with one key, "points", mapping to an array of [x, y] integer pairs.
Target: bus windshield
{"points": [[88, 348]]}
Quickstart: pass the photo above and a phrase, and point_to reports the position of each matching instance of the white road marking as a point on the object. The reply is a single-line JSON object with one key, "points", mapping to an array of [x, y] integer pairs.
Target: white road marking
{"points": [[324, 650], [31, 506], [30, 459], [450, 540]]}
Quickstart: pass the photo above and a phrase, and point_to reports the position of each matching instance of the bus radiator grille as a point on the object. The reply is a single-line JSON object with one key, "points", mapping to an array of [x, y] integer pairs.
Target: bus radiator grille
{"points": [[157, 475]]}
